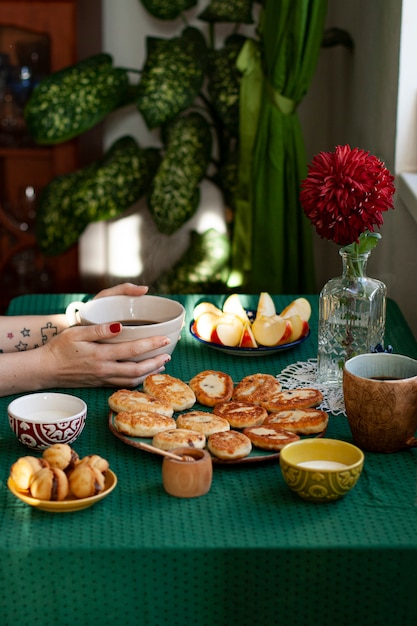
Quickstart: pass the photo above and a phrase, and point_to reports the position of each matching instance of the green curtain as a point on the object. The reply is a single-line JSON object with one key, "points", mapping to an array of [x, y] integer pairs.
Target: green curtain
{"points": [[272, 246]]}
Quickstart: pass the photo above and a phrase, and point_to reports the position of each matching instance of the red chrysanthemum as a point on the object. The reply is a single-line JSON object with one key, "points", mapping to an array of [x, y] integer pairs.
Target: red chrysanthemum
{"points": [[345, 193]]}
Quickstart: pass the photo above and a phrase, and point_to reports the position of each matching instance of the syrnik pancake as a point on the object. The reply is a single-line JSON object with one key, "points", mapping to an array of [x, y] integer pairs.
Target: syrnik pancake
{"points": [[169, 389], [179, 438], [229, 445], [131, 400], [212, 387], [304, 398], [142, 423], [270, 436], [256, 388], [202, 422], [300, 421], [241, 414]]}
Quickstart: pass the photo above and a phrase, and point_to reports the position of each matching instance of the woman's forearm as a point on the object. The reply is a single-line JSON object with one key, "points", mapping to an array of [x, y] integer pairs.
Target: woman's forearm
{"points": [[73, 357], [23, 332], [21, 372]]}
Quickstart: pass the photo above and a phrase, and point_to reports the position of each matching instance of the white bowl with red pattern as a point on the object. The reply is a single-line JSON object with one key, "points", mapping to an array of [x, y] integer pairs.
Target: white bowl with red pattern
{"points": [[41, 419]]}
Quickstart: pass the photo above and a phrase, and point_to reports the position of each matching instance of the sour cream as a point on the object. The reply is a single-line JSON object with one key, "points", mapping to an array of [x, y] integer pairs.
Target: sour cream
{"points": [[323, 465]]}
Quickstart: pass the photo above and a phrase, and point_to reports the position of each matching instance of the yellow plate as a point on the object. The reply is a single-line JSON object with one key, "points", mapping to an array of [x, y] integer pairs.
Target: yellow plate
{"points": [[65, 506]]}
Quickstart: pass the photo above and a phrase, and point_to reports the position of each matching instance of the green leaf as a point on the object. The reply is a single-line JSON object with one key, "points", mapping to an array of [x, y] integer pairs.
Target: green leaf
{"points": [[100, 191], [196, 39], [70, 102], [226, 178], [228, 11], [57, 226], [172, 76], [224, 82], [367, 242], [175, 192], [202, 269], [120, 179], [167, 9]]}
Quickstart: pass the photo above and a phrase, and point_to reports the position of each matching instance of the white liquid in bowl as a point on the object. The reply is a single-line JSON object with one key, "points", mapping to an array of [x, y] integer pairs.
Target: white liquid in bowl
{"points": [[323, 465], [49, 415]]}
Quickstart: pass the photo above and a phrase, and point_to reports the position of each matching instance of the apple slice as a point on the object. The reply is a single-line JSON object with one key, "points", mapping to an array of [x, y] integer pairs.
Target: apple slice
{"points": [[287, 333], [228, 330], [233, 305], [205, 324], [266, 306], [300, 307], [269, 330], [298, 329], [206, 307], [247, 340]]}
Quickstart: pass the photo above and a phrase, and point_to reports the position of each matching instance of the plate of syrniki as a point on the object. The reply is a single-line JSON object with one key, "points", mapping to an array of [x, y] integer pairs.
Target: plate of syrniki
{"points": [[247, 422]]}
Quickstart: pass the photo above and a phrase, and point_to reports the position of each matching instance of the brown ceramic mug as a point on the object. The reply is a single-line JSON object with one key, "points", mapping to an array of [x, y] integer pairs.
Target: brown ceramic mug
{"points": [[380, 393]]}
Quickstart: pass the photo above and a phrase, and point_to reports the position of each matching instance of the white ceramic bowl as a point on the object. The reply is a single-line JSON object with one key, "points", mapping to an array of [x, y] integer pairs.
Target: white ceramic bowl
{"points": [[155, 315], [42, 419]]}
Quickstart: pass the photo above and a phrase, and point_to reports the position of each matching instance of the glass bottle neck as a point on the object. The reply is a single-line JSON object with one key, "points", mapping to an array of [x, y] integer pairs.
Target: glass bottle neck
{"points": [[354, 265]]}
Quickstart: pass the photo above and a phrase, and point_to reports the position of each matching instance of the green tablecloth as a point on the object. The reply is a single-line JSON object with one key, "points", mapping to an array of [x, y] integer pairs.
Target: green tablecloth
{"points": [[248, 552]]}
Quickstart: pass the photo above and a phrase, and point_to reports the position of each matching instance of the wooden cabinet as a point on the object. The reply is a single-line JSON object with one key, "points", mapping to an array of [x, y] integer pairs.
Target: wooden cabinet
{"points": [[37, 38]]}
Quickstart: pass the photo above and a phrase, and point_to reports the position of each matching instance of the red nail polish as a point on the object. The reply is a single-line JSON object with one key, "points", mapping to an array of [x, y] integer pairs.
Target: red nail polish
{"points": [[115, 328]]}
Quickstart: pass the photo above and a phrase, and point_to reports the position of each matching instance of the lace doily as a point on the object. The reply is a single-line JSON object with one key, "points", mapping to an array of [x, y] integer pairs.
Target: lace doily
{"points": [[304, 374]]}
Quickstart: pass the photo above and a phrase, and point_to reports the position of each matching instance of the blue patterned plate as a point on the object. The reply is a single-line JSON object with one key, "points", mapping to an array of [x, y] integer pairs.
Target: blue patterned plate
{"points": [[259, 351]]}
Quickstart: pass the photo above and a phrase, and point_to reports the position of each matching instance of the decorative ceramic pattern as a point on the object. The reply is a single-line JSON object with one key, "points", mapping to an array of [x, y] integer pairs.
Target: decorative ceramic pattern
{"points": [[382, 407], [320, 486], [41, 436]]}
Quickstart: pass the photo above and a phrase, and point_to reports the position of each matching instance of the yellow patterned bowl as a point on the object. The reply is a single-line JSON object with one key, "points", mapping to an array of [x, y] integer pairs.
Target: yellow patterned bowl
{"points": [[321, 470]]}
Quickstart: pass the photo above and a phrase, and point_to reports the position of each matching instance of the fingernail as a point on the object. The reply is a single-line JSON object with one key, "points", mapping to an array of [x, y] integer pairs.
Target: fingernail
{"points": [[115, 327], [167, 358], [167, 341]]}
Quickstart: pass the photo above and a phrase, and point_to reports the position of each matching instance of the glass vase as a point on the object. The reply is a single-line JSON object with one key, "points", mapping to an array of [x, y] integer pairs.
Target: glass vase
{"points": [[351, 317]]}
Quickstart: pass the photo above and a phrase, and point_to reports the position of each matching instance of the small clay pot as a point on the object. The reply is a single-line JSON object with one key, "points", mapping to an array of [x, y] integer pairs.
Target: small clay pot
{"points": [[187, 479]]}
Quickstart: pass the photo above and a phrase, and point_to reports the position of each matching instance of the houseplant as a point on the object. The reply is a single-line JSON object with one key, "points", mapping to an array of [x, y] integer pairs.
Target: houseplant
{"points": [[189, 90]]}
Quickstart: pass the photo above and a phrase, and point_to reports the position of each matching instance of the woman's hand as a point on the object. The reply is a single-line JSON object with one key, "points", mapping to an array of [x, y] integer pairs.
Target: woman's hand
{"points": [[74, 358]]}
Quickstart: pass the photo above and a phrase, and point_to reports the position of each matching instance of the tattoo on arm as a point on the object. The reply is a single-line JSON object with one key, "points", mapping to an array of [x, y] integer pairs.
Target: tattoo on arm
{"points": [[46, 332], [21, 346]]}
